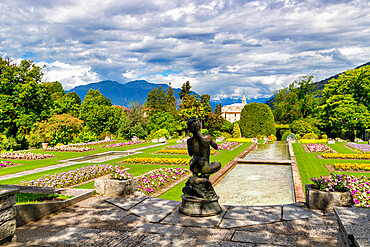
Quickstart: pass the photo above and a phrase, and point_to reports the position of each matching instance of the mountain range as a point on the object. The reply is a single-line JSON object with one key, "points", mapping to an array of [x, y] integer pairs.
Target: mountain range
{"points": [[137, 91]]}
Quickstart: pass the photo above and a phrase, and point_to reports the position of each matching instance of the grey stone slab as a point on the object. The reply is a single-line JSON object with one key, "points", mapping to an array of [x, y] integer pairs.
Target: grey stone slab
{"points": [[216, 243], [176, 218], [7, 228], [299, 211], [264, 237], [356, 221], [210, 234], [89, 237], [7, 191], [154, 209], [7, 201], [7, 214], [145, 227], [158, 240], [126, 202], [249, 214]]}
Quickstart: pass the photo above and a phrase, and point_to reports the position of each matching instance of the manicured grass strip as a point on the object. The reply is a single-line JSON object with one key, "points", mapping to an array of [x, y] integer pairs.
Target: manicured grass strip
{"points": [[89, 185], [175, 193], [28, 198], [340, 148]]}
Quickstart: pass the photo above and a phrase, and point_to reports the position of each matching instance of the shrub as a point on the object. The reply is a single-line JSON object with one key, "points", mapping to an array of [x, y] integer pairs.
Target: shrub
{"points": [[257, 119], [301, 127], [204, 132], [310, 136], [324, 137], [226, 135], [158, 134], [57, 129], [236, 131], [85, 136], [272, 137], [297, 137], [285, 136]]}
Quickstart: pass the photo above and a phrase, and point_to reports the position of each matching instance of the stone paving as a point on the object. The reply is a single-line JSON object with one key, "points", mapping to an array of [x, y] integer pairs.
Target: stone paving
{"points": [[139, 220]]}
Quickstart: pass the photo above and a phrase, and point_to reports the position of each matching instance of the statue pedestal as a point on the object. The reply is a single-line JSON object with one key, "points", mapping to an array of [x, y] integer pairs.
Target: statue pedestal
{"points": [[199, 199], [200, 207]]}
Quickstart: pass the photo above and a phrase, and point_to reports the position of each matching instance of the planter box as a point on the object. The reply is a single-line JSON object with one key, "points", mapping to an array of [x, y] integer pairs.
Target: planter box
{"points": [[316, 199], [45, 145], [331, 142], [113, 187]]}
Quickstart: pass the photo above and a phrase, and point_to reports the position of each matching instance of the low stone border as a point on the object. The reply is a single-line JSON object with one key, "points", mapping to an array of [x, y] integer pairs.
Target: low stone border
{"points": [[297, 182], [160, 192], [228, 167], [30, 212], [331, 168]]}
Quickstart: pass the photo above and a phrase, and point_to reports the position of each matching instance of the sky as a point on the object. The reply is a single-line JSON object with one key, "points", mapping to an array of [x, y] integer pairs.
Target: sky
{"points": [[223, 48]]}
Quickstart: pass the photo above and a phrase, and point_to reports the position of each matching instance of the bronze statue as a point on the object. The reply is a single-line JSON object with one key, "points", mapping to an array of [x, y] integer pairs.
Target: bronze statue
{"points": [[200, 198], [199, 148]]}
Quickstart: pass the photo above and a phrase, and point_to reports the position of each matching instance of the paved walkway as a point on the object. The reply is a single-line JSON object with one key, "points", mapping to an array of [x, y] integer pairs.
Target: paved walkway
{"points": [[139, 220], [47, 168]]}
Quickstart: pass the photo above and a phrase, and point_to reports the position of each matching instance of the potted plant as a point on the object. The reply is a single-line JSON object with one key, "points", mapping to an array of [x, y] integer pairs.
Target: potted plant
{"points": [[327, 193], [120, 183], [331, 141]]}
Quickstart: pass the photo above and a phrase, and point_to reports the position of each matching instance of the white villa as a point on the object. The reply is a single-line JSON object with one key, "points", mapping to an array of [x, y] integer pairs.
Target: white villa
{"points": [[233, 112]]}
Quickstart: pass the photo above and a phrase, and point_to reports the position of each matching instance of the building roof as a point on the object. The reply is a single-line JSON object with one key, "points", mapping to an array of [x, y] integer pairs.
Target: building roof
{"points": [[122, 107]]}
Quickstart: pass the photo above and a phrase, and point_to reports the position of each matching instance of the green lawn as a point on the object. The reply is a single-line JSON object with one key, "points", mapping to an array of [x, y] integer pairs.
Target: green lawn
{"points": [[310, 166]]}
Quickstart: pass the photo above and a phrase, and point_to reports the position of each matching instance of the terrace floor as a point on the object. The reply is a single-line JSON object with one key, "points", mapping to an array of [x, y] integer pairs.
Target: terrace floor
{"points": [[140, 220]]}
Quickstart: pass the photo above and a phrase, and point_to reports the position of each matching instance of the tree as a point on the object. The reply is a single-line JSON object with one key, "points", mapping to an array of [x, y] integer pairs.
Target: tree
{"points": [[70, 103], [236, 131], [23, 100], [257, 119], [185, 90], [57, 129], [171, 101], [156, 101], [218, 110], [162, 120]]}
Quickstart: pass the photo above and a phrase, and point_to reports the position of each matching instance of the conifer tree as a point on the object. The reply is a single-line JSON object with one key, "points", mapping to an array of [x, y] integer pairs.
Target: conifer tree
{"points": [[236, 131], [171, 100]]}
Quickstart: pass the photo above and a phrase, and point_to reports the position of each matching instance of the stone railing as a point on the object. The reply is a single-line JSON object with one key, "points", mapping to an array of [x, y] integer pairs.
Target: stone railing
{"points": [[7, 215]]}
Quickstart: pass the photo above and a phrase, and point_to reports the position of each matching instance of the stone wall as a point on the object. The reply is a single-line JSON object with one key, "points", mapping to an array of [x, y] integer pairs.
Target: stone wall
{"points": [[7, 215]]}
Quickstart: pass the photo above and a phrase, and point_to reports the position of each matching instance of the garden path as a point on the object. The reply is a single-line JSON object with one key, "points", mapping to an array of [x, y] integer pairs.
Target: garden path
{"points": [[47, 168], [140, 220]]}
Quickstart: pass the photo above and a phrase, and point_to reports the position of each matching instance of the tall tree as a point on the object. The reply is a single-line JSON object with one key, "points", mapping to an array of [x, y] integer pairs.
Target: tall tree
{"points": [[185, 90], [218, 110], [171, 101], [156, 101], [23, 100]]}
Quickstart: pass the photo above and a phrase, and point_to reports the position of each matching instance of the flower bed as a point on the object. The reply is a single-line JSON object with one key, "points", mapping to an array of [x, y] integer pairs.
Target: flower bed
{"points": [[178, 146], [359, 187], [317, 147], [362, 148], [25, 156], [345, 156], [148, 160], [64, 179], [313, 140], [68, 149], [179, 151], [239, 139], [117, 145], [160, 178], [5, 163], [92, 143], [352, 166], [227, 145]]}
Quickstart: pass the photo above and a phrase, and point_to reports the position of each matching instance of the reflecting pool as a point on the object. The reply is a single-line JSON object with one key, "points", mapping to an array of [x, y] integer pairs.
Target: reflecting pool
{"points": [[270, 151]]}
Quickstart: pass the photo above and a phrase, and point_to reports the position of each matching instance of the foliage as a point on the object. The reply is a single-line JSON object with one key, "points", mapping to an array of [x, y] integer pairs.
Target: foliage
{"points": [[171, 101], [272, 137], [301, 127], [28, 198], [132, 123], [239, 139], [23, 99], [257, 119], [285, 135], [64, 179], [57, 129], [236, 131], [85, 136], [324, 137], [25, 156], [297, 101], [226, 135], [159, 133], [69, 103], [282, 126], [345, 108], [318, 147], [218, 110], [185, 90], [156, 101], [227, 127], [298, 137], [63, 148], [313, 140], [121, 144], [310, 136], [162, 120], [8, 143]]}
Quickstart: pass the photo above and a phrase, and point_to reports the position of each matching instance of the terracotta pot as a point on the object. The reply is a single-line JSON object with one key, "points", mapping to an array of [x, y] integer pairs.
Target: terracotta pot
{"points": [[45, 145], [326, 200]]}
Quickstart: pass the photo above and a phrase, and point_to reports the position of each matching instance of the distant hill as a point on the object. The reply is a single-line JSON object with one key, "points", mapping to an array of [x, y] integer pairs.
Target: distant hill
{"points": [[122, 94], [317, 85], [137, 91]]}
